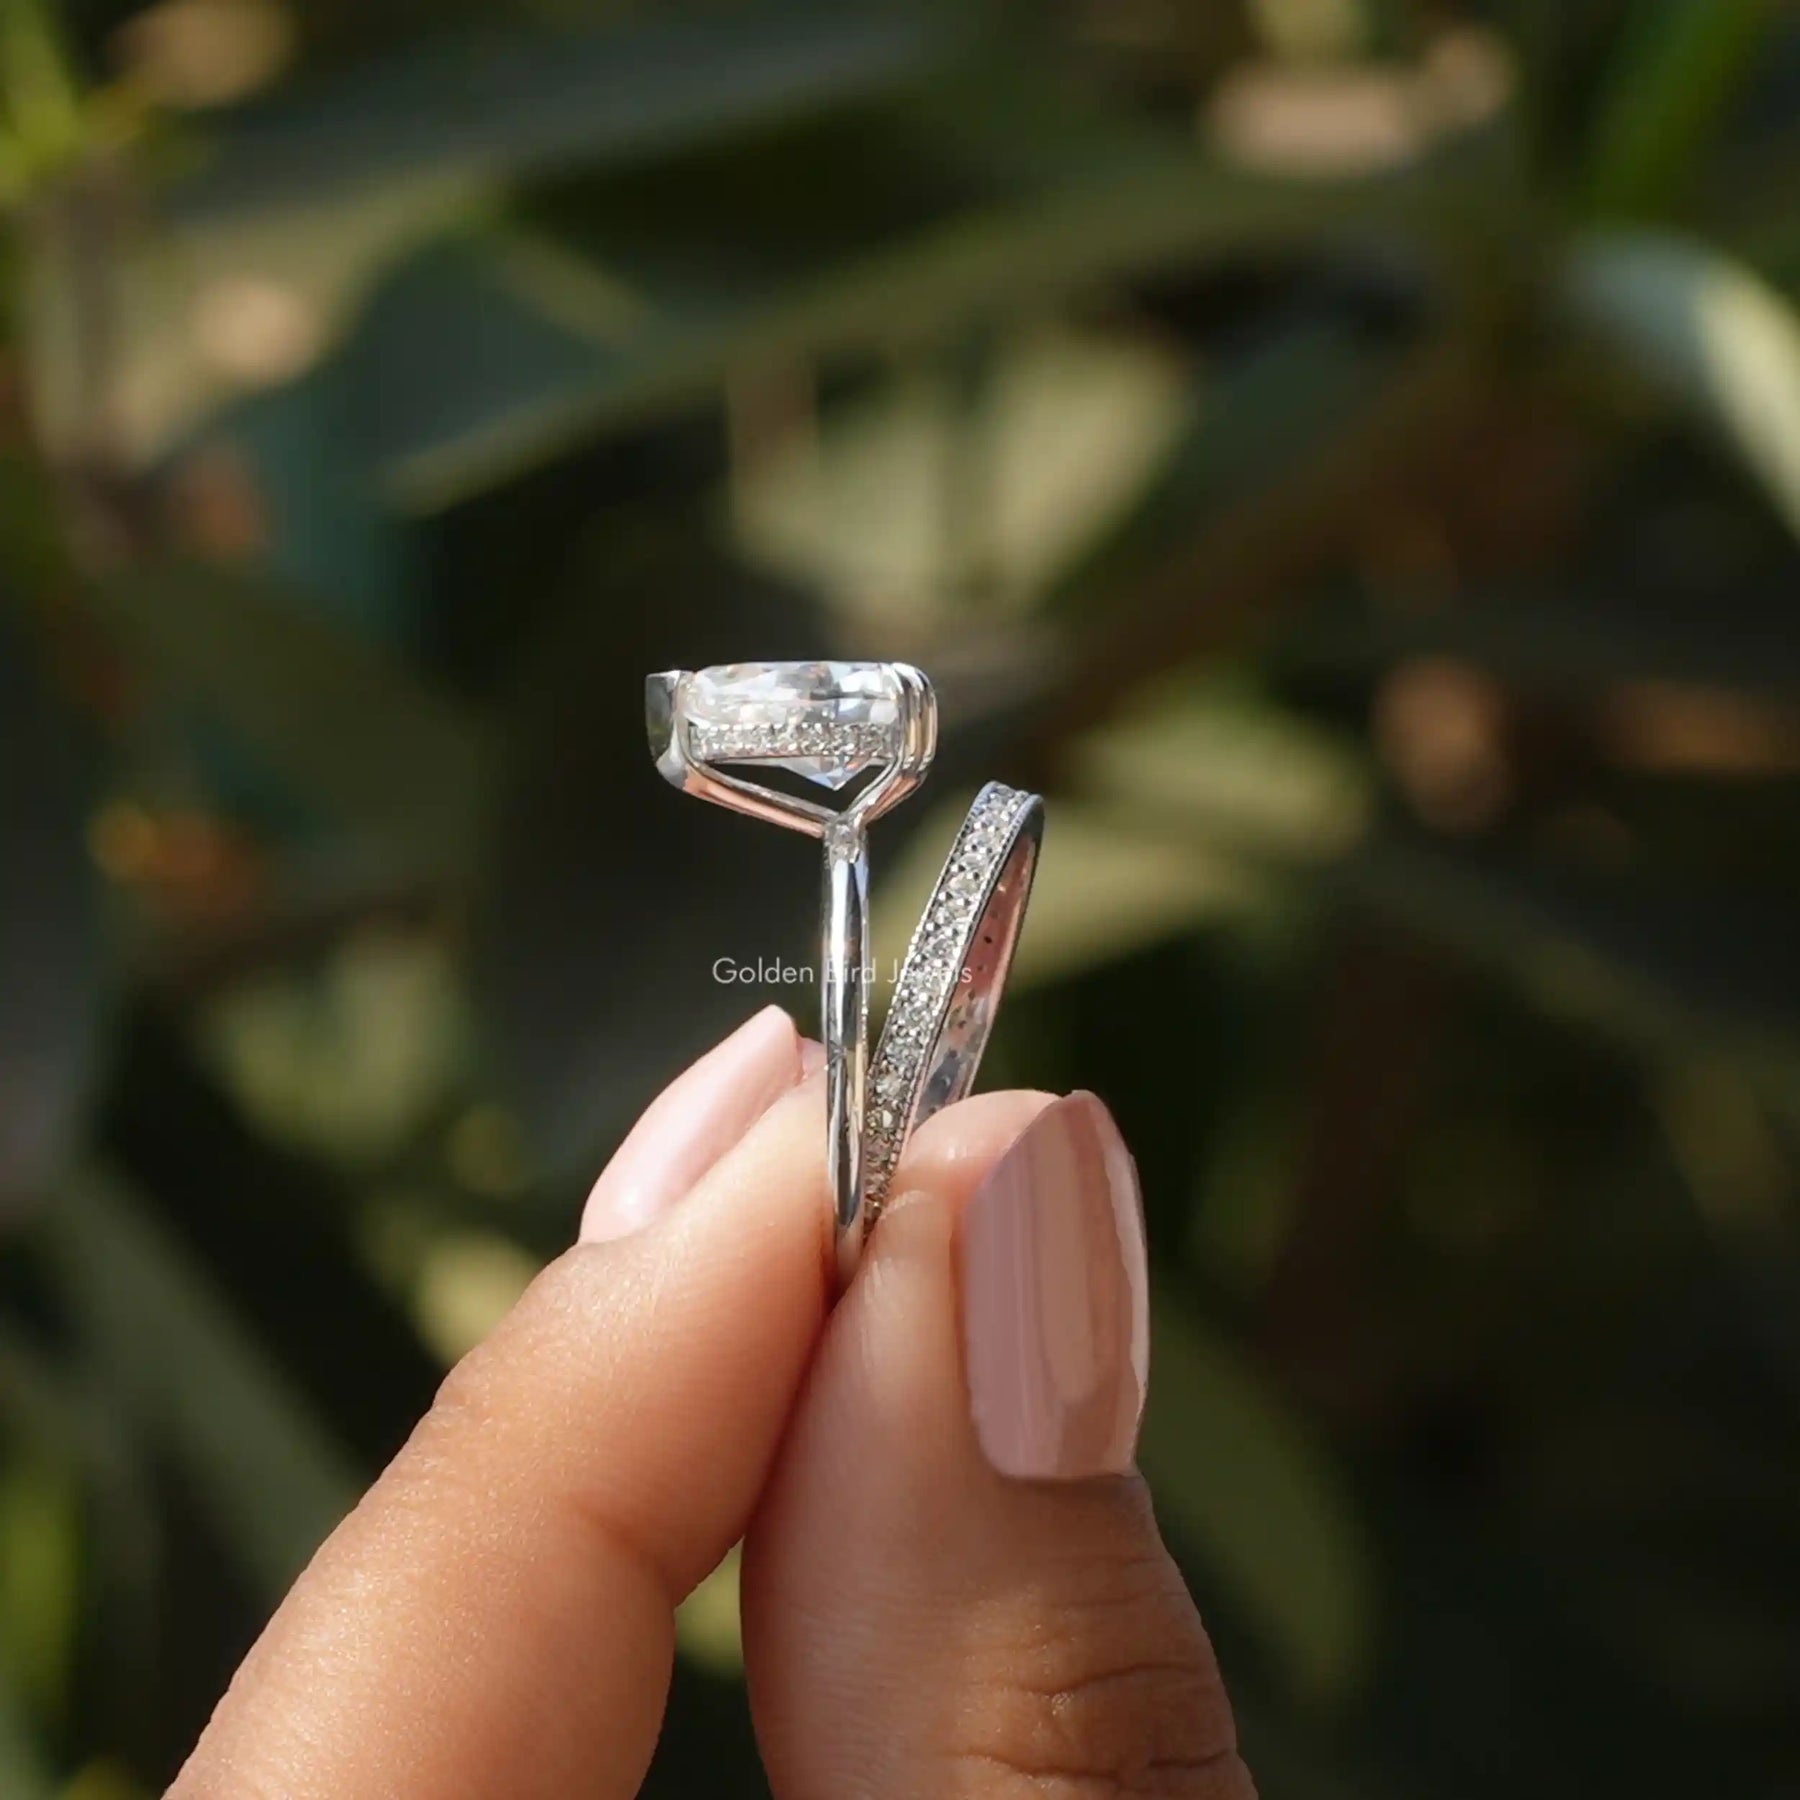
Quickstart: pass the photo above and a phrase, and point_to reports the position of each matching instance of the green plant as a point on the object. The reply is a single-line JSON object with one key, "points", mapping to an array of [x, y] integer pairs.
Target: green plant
{"points": [[1347, 454]]}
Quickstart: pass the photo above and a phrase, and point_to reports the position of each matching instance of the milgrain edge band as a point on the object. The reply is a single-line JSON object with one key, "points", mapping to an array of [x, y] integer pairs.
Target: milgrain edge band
{"points": [[951, 979]]}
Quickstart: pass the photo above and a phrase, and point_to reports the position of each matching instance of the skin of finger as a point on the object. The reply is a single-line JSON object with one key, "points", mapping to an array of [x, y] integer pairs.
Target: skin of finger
{"points": [[916, 1623], [496, 1616]]}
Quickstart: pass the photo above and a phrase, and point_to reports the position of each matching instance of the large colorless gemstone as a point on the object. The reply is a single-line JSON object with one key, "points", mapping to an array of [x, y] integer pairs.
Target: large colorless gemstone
{"points": [[826, 721]]}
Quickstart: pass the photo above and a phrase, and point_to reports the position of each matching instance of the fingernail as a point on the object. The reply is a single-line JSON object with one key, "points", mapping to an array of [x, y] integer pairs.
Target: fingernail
{"points": [[692, 1123], [1055, 1299]]}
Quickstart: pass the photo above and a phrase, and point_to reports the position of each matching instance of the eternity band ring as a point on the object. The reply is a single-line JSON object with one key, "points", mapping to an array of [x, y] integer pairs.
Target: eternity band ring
{"points": [[949, 986], [831, 724]]}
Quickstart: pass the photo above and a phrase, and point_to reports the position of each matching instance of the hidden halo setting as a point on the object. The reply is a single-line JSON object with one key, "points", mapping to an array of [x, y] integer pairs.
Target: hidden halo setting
{"points": [[828, 722], [833, 725]]}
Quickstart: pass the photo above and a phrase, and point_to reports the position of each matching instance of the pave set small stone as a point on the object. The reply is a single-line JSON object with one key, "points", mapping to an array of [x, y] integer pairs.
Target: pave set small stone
{"points": [[856, 744], [933, 966], [825, 721]]}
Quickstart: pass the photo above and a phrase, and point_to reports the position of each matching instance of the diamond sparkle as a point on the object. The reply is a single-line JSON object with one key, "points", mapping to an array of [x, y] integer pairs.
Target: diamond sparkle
{"points": [[825, 721], [929, 977]]}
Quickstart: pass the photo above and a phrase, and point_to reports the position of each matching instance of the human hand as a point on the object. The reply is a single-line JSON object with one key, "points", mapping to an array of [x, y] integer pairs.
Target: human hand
{"points": [[952, 1585]]}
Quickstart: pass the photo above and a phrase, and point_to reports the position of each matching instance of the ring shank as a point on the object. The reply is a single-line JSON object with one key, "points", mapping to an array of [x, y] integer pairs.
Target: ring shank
{"points": [[844, 1029]]}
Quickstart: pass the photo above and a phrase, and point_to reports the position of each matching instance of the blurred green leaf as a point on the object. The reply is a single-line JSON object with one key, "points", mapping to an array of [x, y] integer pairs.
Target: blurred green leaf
{"points": [[105, 1779], [494, 350], [75, 1425], [1237, 1476], [41, 115], [1294, 1760], [873, 509], [1680, 67], [330, 548], [707, 1626], [503, 106], [1647, 964], [50, 951], [40, 1575], [1260, 417], [349, 1061], [1298, 442], [24, 1765], [356, 733], [1246, 774], [268, 1473], [481, 355], [1706, 332], [220, 313], [1566, 642]]}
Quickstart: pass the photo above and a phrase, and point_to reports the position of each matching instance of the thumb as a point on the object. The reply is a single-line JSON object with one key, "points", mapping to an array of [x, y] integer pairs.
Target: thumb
{"points": [[954, 1584]]}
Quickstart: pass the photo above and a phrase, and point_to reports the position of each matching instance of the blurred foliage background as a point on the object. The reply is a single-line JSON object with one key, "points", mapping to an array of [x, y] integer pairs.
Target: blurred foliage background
{"points": [[1345, 452]]}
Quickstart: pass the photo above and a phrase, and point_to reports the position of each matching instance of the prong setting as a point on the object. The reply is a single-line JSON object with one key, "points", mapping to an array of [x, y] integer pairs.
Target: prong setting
{"points": [[690, 754]]}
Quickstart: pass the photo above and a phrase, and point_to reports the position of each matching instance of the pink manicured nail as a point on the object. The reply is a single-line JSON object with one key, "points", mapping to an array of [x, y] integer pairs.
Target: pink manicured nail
{"points": [[692, 1123], [1055, 1299]]}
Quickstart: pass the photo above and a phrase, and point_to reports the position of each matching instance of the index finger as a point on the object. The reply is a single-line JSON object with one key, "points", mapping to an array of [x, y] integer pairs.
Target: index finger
{"points": [[497, 1615]]}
